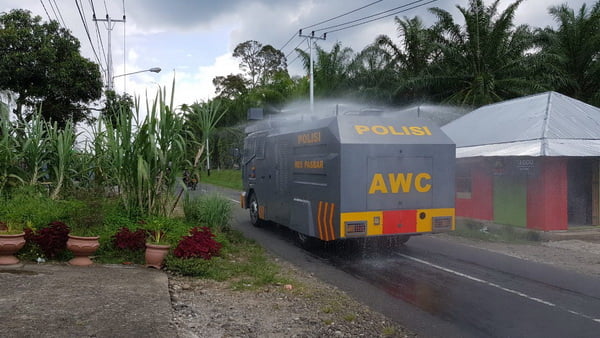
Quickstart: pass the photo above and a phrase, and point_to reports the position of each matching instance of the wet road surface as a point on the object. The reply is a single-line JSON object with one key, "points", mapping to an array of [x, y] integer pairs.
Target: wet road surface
{"points": [[439, 288]]}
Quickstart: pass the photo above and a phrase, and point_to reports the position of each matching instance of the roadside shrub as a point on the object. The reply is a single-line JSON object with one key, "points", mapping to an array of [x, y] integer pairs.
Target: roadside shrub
{"points": [[51, 239], [199, 244], [195, 267], [28, 205], [212, 210], [130, 240]]}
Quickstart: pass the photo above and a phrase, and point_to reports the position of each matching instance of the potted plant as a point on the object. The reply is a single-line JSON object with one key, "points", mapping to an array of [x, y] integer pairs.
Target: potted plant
{"points": [[157, 246], [12, 239], [82, 248]]}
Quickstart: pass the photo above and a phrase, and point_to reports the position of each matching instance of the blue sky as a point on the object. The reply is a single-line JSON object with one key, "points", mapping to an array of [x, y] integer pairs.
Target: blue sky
{"points": [[193, 40]]}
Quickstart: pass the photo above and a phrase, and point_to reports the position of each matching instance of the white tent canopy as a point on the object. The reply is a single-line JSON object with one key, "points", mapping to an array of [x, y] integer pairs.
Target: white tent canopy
{"points": [[547, 124]]}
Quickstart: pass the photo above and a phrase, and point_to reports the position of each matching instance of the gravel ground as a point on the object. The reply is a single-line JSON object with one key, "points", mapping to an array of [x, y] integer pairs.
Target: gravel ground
{"points": [[311, 308]]}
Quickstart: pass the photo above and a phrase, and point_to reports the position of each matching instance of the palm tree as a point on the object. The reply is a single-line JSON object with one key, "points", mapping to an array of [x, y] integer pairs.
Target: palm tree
{"points": [[484, 61], [202, 119], [331, 70], [570, 55], [405, 61]]}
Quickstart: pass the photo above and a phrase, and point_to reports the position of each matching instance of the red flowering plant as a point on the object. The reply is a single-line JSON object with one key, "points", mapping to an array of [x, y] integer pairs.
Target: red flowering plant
{"points": [[199, 244], [130, 240], [51, 239]]}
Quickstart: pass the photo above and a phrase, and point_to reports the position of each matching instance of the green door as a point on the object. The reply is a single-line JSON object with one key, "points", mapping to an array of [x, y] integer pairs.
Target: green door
{"points": [[510, 200]]}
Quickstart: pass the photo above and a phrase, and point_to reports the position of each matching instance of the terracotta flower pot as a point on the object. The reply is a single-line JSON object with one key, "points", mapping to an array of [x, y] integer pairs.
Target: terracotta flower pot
{"points": [[155, 255], [10, 245], [82, 247]]}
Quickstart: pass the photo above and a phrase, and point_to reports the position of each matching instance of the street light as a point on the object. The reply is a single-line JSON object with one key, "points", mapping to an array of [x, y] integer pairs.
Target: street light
{"points": [[153, 70]]}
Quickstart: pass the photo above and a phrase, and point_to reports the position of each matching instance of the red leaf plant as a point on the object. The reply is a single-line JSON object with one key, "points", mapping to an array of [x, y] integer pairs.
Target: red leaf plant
{"points": [[51, 240], [199, 244], [130, 240]]}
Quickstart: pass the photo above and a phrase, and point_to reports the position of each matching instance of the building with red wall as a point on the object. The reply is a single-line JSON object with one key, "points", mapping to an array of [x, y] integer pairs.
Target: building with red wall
{"points": [[530, 162]]}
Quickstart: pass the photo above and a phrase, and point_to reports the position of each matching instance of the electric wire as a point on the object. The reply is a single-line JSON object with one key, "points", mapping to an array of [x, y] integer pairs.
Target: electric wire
{"points": [[288, 54], [296, 58], [98, 36], [324, 21], [53, 11], [288, 41], [341, 15], [87, 32], [60, 14], [378, 16], [362, 23], [45, 10]]}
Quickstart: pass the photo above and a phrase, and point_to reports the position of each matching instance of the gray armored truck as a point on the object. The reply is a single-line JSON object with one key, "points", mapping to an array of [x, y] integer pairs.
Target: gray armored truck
{"points": [[350, 176]]}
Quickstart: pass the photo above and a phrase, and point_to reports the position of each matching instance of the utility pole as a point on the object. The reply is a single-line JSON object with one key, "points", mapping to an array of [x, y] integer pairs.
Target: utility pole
{"points": [[109, 26], [310, 38]]}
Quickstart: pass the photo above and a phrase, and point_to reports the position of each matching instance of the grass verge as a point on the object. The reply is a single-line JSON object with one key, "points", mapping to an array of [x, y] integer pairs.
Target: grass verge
{"points": [[225, 178]]}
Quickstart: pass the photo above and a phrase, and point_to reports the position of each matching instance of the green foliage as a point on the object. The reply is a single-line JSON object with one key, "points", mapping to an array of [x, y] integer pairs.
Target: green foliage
{"points": [[244, 263], [568, 61], [225, 178], [211, 210], [143, 160], [29, 205], [42, 63]]}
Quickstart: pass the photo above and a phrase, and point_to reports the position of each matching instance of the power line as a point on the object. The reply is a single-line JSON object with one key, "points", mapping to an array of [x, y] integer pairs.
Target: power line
{"points": [[87, 31], [45, 10], [290, 40], [53, 10], [382, 17], [301, 41], [297, 57], [395, 11], [60, 14], [98, 36], [341, 15], [324, 21]]}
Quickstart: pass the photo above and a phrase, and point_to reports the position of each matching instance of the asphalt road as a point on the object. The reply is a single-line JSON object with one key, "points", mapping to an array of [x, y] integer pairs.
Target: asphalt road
{"points": [[439, 288]]}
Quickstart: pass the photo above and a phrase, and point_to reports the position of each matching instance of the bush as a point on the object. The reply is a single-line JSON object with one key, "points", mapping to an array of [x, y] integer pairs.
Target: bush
{"points": [[130, 240], [27, 205], [199, 244], [211, 210], [51, 240], [196, 267]]}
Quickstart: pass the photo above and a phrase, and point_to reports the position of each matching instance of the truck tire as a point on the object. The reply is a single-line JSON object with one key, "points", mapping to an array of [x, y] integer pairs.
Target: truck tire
{"points": [[253, 207]]}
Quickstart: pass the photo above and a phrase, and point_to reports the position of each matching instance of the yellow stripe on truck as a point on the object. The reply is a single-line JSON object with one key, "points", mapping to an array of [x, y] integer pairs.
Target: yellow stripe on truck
{"points": [[424, 224], [370, 217]]}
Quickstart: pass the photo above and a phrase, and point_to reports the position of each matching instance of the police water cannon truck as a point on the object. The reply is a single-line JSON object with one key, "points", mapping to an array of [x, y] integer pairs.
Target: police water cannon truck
{"points": [[350, 176]]}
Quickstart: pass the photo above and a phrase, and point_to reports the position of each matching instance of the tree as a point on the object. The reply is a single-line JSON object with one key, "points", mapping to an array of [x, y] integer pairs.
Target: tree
{"points": [[41, 62], [331, 70], [230, 86], [259, 62], [570, 55], [201, 120], [116, 105], [486, 60]]}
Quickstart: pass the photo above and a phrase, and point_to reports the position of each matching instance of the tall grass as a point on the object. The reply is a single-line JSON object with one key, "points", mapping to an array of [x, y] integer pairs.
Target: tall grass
{"points": [[143, 160], [138, 159]]}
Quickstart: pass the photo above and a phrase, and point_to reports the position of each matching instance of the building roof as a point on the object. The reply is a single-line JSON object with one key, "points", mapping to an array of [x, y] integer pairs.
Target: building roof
{"points": [[546, 124]]}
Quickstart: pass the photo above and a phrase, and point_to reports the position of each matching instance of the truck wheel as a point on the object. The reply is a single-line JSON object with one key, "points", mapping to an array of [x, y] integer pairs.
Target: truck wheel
{"points": [[253, 206]]}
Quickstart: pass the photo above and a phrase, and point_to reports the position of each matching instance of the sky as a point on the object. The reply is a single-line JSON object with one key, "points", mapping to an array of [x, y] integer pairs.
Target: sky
{"points": [[192, 41]]}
